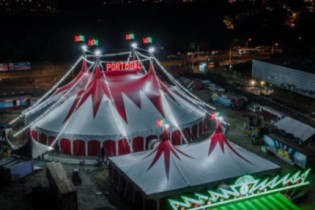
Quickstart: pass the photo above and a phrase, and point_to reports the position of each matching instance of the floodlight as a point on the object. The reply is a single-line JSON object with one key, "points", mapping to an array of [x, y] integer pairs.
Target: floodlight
{"points": [[134, 45], [97, 53], [84, 48], [151, 50]]}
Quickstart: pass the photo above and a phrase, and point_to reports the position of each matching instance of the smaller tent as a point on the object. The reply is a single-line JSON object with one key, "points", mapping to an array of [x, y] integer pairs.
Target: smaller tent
{"points": [[298, 129], [151, 176]]}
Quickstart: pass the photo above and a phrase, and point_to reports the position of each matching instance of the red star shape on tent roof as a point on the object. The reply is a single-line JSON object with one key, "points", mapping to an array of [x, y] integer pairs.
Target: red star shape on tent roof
{"points": [[219, 138], [165, 147], [129, 84]]}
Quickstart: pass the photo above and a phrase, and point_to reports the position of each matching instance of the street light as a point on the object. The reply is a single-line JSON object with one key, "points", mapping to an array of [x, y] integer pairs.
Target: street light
{"points": [[134, 45], [248, 40], [262, 83], [274, 47]]}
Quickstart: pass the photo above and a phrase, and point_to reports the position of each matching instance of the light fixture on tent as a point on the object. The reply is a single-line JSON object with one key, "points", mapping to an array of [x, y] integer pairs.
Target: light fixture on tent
{"points": [[84, 48], [79, 38], [97, 52], [216, 116], [151, 50], [162, 123], [130, 36], [134, 45]]}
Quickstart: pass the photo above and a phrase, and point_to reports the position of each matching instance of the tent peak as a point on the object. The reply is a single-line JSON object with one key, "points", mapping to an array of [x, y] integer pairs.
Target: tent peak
{"points": [[167, 148], [98, 73]]}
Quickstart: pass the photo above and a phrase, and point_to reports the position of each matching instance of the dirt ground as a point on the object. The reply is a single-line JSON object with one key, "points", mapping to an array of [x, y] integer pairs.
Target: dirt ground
{"points": [[94, 192]]}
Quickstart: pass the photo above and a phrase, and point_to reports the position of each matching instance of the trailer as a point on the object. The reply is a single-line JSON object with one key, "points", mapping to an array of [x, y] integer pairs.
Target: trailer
{"points": [[14, 168], [14, 102], [289, 151], [64, 190], [230, 100]]}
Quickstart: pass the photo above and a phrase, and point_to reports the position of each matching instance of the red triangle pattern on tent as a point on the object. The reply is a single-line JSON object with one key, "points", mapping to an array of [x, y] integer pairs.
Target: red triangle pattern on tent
{"points": [[219, 138], [167, 148], [114, 86]]}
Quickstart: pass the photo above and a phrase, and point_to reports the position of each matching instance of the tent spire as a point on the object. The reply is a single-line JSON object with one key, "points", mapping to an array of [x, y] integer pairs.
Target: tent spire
{"points": [[218, 137]]}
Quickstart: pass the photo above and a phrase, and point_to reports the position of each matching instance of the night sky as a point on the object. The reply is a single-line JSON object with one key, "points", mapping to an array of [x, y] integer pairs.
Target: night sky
{"points": [[48, 35]]}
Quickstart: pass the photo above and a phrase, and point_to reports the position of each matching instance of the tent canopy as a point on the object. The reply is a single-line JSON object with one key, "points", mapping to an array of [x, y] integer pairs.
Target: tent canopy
{"points": [[167, 168], [113, 105], [296, 128]]}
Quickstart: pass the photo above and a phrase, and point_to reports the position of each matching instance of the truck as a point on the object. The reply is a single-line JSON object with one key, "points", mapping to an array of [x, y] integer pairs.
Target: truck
{"points": [[230, 100]]}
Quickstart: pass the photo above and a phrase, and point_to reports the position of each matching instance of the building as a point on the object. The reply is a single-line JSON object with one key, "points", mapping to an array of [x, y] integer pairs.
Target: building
{"points": [[296, 74]]}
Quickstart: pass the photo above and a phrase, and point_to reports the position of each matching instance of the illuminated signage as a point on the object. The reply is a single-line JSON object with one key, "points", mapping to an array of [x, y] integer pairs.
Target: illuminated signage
{"points": [[123, 66], [92, 42], [147, 40], [79, 38], [245, 187], [130, 37]]}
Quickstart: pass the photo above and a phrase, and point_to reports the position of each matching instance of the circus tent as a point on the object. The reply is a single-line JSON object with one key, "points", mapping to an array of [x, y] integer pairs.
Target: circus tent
{"points": [[148, 177], [117, 110]]}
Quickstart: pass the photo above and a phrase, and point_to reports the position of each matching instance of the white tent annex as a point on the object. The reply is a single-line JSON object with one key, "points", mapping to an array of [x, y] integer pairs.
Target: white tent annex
{"points": [[115, 104], [298, 129], [149, 177]]}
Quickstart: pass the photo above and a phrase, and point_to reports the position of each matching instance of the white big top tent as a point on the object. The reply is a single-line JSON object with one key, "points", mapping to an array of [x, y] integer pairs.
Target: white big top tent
{"points": [[116, 109], [147, 178]]}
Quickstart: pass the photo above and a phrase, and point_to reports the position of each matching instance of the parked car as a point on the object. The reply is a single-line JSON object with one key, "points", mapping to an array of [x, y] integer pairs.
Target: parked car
{"points": [[254, 107]]}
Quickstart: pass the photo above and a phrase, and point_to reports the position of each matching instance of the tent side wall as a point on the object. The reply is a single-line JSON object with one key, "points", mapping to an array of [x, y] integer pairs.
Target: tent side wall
{"points": [[137, 198], [79, 146]]}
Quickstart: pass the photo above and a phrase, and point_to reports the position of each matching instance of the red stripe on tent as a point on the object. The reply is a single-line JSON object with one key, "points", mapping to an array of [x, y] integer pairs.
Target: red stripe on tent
{"points": [[138, 144], [94, 147], [65, 146], [79, 147], [34, 134], [176, 137], [110, 148], [123, 147]]}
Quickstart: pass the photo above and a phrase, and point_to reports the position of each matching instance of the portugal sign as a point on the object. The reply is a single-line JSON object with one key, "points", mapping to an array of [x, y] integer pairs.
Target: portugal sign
{"points": [[123, 66]]}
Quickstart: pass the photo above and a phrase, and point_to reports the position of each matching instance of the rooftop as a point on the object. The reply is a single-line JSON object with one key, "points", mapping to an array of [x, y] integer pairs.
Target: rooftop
{"points": [[301, 63]]}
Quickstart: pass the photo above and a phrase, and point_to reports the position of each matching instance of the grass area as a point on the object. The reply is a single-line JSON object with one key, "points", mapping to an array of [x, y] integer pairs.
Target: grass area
{"points": [[307, 206]]}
